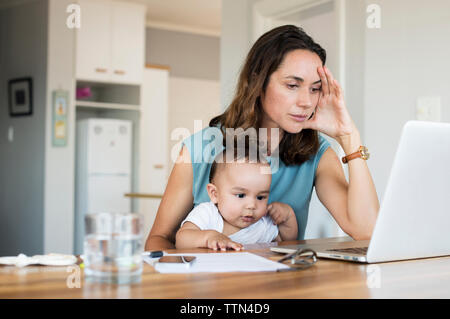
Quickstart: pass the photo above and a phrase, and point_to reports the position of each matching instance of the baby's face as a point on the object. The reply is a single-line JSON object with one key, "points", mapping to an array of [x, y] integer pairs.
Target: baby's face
{"points": [[242, 193]]}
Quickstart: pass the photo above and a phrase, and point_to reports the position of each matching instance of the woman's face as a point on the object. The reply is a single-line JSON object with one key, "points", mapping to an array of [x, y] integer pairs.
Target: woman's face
{"points": [[293, 92]]}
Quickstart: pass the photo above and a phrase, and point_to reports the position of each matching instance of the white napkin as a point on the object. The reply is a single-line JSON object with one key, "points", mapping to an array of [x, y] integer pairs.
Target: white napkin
{"points": [[48, 260]]}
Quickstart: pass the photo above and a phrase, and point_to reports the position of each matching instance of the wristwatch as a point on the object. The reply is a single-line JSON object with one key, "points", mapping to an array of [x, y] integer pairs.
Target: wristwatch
{"points": [[362, 152]]}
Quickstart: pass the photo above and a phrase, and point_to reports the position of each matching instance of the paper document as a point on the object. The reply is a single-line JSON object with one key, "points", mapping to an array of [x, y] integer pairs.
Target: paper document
{"points": [[223, 262]]}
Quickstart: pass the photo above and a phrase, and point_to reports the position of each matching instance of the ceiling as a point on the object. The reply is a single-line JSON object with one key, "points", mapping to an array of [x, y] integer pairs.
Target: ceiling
{"points": [[195, 16]]}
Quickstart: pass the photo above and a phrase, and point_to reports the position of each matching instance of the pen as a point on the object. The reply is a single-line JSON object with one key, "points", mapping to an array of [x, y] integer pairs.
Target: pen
{"points": [[155, 254]]}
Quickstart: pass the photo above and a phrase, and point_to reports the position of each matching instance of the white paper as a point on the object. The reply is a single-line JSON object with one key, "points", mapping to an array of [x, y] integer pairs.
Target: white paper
{"points": [[223, 262]]}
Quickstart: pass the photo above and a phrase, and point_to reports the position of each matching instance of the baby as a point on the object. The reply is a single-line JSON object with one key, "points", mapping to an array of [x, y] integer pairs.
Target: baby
{"points": [[237, 213]]}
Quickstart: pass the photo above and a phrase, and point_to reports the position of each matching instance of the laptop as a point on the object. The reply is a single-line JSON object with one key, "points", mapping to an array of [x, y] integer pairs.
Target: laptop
{"points": [[414, 216]]}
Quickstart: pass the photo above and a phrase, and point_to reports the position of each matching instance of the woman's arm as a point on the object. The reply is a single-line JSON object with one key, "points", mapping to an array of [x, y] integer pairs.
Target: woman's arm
{"points": [[354, 205], [176, 203]]}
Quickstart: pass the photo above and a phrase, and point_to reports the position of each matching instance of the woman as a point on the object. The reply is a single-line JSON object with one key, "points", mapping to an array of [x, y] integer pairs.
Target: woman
{"points": [[284, 85]]}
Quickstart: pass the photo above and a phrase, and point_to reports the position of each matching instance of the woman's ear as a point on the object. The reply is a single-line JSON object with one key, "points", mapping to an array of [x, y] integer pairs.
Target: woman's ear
{"points": [[212, 192]]}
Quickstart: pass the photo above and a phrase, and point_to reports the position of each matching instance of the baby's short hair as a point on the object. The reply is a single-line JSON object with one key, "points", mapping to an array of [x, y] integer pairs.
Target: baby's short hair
{"points": [[243, 150]]}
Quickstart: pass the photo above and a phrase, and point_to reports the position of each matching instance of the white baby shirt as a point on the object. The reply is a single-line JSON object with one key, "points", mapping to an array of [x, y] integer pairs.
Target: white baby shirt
{"points": [[206, 216]]}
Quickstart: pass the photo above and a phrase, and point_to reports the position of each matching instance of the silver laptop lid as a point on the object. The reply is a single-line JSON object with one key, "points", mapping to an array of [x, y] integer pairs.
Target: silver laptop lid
{"points": [[414, 218]]}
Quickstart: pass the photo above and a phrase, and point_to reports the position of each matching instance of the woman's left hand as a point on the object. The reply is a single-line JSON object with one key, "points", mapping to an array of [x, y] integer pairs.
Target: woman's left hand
{"points": [[331, 116]]}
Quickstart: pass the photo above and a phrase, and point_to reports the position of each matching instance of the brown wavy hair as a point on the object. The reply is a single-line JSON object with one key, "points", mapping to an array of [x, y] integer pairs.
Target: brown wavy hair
{"points": [[246, 111]]}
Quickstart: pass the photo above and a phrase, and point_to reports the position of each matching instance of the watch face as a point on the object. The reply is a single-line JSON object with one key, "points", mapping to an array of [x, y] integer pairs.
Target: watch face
{"points": [[364, 152]]}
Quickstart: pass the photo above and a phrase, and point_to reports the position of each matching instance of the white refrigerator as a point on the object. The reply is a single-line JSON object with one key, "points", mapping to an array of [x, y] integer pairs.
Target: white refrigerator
{"points": [[103, 170]]}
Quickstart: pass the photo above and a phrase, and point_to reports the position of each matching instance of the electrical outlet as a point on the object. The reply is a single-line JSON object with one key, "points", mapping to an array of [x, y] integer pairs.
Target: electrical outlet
{"points": [[429, 109]]}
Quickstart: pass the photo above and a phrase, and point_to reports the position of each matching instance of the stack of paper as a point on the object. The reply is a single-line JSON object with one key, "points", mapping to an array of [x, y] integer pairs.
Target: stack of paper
{"points": [[223, 262]]}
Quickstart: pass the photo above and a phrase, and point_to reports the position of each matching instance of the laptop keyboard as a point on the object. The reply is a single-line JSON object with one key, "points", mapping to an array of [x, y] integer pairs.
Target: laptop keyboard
{"points": [[356, 250]]}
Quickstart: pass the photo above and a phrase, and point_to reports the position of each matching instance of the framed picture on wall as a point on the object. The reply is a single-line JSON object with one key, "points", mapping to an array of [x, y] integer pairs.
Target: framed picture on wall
{"points": [[20, 96], [60, 108]]}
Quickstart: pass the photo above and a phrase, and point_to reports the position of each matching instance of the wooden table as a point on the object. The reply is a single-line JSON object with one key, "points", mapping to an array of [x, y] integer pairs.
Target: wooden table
{"points": [[422, 278]]}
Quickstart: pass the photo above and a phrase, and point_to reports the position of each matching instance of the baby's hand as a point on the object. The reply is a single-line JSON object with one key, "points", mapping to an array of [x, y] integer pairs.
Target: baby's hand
{"points": [[216, 240], [280, 212]]}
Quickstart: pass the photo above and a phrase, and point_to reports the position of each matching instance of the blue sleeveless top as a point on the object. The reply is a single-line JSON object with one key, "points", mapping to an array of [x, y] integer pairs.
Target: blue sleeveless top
{"points": [[291, 184]]}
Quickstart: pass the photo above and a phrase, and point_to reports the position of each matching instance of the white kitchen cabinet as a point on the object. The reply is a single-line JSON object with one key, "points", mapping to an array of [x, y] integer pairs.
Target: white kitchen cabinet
{"points": [[128, 42], [154, 139], [111, 42], [93, 38]]}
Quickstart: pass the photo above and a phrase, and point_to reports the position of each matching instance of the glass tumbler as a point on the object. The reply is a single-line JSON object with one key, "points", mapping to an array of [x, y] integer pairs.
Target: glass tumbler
{"points": [[113, 248]]}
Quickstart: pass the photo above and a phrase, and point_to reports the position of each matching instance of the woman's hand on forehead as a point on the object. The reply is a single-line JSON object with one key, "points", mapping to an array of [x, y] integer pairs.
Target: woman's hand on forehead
{"points": [[331, 116]]}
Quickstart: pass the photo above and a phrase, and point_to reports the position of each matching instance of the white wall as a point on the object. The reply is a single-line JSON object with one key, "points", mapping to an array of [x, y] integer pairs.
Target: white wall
{"points": [[36, 191], [59, 161], [23, 49], [191, 100], [406, 58], [235, 41], [198, 59]]}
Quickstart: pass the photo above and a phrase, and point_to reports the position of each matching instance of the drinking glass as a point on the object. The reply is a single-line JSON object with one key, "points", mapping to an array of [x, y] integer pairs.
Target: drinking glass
{"points": [[113, 247]]}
